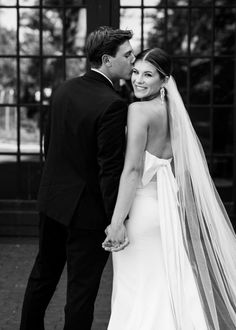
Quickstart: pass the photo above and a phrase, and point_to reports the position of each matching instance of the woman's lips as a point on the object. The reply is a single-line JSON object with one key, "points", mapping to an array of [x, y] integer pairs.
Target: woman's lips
{"points": [[140, 88]]}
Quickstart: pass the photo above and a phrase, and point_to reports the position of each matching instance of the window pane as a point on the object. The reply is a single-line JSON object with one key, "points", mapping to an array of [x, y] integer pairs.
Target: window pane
{"points": [[69, 3], [29, 129], [224, 81], [225, 27], [154, 2], [8, 2], [28, 2], [52, 32], [177, 3], [222, 173], [75, 67], [200, 81], [177, 31], [131, 19], [223, 130], [47, 92], [8, 80], [29, 31], [8, 23], [225, 3], [200, 117], [53, 72], [30, 80], [76, 30], [8, 131], [180, 69], [202, 2], [154, 28], [30, 176], [130, 2], [201, 31], [8, 177], [55, 3]]}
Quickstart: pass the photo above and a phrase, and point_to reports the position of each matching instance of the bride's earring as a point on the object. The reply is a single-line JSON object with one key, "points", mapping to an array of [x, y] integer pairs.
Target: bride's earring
{"points": [[163, 93]]}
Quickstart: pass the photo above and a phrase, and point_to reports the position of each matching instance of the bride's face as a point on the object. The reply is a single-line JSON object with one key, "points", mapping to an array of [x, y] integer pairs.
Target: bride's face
{"points": [[146, 80]]}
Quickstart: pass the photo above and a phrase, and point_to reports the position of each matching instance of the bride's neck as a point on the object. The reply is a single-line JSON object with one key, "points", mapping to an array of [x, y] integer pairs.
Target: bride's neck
{"points": [[152, 97]]}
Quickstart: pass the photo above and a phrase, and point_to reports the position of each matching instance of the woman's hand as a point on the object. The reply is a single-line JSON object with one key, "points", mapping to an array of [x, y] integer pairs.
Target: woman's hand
{"points": [[117, 238]]}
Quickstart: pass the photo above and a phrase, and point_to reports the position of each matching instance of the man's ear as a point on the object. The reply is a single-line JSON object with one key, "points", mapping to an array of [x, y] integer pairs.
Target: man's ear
{"points": [[106, 60]]}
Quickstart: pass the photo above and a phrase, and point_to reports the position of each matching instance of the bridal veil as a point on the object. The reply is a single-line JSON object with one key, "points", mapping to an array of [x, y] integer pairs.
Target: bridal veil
{"points": [[208, 236]]}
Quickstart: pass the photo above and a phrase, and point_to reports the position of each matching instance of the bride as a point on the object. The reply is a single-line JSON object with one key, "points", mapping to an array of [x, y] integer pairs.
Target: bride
{"points": [[176, 265]]}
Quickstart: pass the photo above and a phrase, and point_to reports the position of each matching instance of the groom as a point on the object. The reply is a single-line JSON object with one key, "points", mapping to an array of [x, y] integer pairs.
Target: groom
{"points": [[84, 149]]}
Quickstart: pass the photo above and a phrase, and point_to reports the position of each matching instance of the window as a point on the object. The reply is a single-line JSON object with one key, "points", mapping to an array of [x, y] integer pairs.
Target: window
{"points": [[41, 44], [200, 36]]}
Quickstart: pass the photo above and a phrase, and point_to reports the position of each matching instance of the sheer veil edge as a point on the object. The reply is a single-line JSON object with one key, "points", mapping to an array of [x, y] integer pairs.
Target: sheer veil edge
{"points": [[208, 236]]}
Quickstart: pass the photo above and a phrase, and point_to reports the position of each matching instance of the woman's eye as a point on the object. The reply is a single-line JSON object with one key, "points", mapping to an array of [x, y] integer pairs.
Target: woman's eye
{"points": [[134, 71], [148, 75]]}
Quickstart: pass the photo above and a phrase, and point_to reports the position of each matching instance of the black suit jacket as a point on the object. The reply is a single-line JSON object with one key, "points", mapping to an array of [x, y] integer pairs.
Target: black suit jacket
{"points": [[84, 152]]}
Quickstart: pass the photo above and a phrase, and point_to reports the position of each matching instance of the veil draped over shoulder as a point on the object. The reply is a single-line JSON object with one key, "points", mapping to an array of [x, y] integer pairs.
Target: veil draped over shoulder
{"points": [[208, 236]]}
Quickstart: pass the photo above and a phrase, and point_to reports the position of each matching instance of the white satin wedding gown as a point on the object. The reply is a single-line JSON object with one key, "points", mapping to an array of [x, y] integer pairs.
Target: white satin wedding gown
{"points": [[148, 291]]}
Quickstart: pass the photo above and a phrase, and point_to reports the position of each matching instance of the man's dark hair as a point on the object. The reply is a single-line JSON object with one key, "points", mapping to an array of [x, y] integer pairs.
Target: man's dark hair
{"points": [[105, 40]]}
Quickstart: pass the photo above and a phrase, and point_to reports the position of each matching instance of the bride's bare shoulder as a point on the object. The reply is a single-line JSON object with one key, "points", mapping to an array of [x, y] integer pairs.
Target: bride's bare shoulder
{"points": [[137, 112], [135, 105], [154, 107], [140, 106], [135, 108]]}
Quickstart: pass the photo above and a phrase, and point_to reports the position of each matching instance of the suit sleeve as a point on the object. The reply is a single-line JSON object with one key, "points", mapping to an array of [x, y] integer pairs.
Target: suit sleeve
{"points": [[110, 152], [47, 122], [47, 129]]}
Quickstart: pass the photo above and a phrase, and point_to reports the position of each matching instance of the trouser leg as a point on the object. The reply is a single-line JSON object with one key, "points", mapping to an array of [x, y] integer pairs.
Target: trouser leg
{"points": [[85, 261], [45, 274]]}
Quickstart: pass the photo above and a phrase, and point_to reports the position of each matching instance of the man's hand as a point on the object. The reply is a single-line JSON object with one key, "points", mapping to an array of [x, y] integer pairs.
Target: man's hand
{"points": [[117, 238]]}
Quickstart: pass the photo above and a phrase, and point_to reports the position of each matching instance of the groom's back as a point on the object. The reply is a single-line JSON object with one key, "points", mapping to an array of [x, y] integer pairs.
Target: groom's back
{"points": [[71, 172]]}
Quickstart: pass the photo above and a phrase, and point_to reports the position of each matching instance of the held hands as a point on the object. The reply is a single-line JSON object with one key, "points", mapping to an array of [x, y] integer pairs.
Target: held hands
{"points": [[117, 238]]}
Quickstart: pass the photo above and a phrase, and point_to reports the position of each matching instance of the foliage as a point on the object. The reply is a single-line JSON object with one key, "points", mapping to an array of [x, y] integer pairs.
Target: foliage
{"points": [[52, 41], [199, 45], [211, 35]]}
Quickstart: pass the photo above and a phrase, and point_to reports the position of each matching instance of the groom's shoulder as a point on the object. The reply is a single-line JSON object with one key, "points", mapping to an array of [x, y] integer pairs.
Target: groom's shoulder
{"points": [[66, 86], [69, 83], [81, 82], [99, 92]]}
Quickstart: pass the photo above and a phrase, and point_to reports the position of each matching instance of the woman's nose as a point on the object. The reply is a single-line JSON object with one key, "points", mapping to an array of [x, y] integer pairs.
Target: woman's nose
{"points": [[139, 79]]}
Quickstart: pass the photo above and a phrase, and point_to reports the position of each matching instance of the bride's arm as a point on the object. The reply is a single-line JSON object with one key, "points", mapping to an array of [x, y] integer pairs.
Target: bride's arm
{"points": [[136, 143]]}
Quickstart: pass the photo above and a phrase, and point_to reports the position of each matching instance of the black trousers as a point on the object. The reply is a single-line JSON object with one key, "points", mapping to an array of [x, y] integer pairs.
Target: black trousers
{"points": [[85, 258]]}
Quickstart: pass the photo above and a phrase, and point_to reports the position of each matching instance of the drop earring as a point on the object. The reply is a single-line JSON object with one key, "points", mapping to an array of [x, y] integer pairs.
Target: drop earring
{"points": [[162, 93]]}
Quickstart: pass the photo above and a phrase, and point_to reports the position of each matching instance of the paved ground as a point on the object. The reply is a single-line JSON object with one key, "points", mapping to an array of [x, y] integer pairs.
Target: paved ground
{"points": [[16, 259]]}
